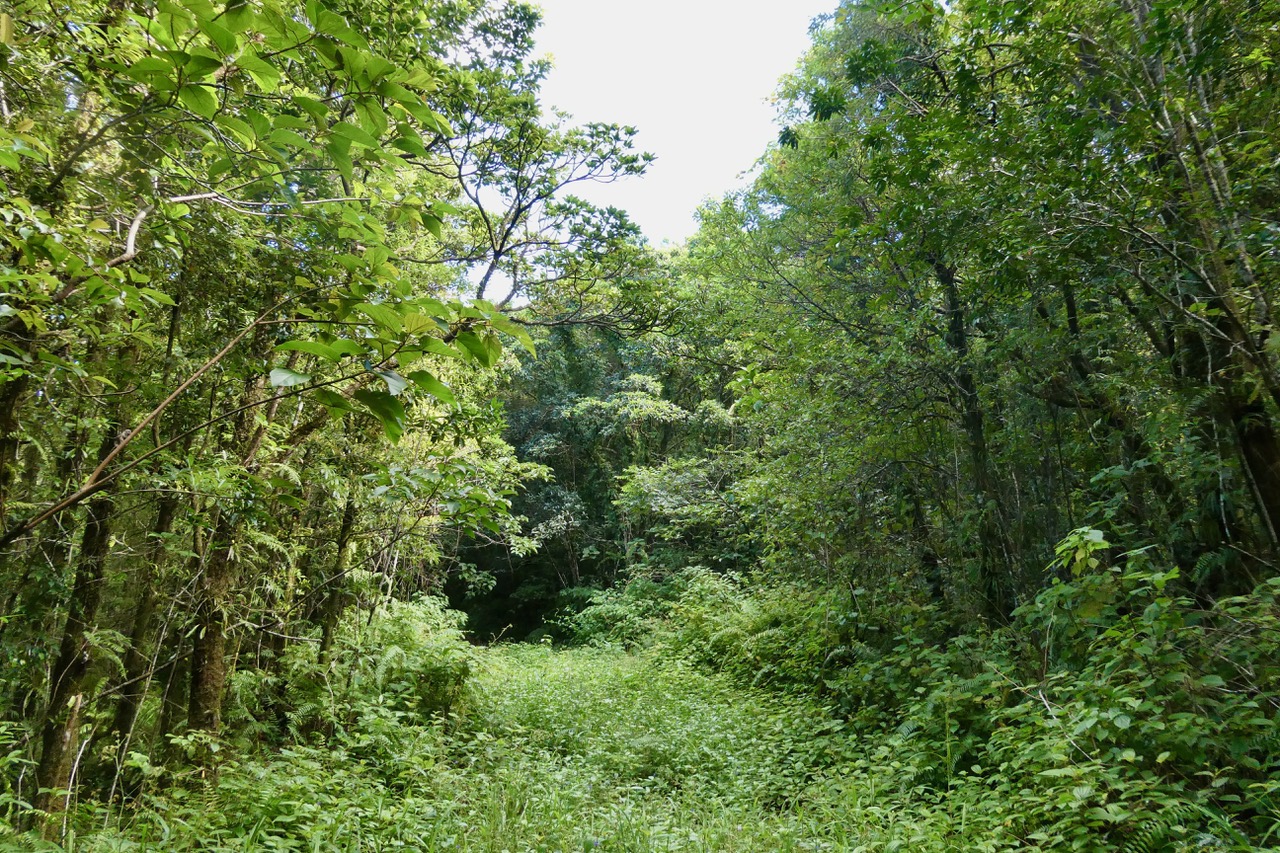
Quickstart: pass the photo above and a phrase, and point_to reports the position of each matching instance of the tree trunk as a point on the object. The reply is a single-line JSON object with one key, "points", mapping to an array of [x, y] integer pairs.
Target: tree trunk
{"points": [[1260, 456], [209, 648], [136, 661], [217, 580], [62, 720], [994, 558], [336, 599], [10, 402]]}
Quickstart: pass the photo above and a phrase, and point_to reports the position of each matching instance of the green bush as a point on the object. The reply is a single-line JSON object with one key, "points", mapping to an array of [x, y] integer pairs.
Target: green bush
{"points": [[404, 658], [1113, 714]]}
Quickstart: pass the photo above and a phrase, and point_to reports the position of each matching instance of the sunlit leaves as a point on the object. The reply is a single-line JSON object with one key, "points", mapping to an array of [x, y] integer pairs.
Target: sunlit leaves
{"points": [[433, 386]]}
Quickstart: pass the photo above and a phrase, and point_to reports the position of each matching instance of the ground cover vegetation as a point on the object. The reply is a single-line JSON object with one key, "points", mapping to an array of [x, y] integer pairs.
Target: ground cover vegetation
{"points": [[927, 499]]}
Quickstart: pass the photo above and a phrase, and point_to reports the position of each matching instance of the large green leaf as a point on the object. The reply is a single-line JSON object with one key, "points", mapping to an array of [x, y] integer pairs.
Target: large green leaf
{"points": [[199, 99], [357, 135], [434, 387], [284, 377], [478, 347], [220, 36], [507, 326], [395, 382], [334, 401], [439, 347], [386, 409], [325, 351], [383, 315]]}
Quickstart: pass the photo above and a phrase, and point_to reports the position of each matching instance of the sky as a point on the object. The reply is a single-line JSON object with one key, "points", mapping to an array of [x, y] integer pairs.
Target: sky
{"points": [[694, 76]]}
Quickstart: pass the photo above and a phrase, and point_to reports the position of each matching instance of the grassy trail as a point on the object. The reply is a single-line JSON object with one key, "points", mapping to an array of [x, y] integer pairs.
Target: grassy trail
{"points": [[587, 750], [578, 750]]}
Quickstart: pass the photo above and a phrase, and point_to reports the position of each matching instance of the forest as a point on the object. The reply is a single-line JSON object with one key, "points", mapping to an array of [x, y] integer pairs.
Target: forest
{"points": [[363, 487]]}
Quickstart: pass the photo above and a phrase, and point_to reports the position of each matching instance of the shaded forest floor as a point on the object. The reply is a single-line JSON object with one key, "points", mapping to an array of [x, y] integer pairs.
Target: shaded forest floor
{"points": [[572, 750], [406, 737]]}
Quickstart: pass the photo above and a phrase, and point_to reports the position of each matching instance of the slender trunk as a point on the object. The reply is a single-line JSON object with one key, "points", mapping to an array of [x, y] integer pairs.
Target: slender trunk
{"points": [[217, 580], [335, 602], [35, 599], [930, 562], [136, 661], [1113, 413], [994, 559], [66, 694], [173, 675], [1259, 448], [11, 394], [209, 645]]}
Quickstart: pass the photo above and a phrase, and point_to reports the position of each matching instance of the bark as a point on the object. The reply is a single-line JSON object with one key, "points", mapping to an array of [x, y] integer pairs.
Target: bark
{"points": [[137, 662], [994, 559], [336, 600], [66, 694], [1259, 449], [11, 394], [173, 674], [209, 645], [217, 581]]}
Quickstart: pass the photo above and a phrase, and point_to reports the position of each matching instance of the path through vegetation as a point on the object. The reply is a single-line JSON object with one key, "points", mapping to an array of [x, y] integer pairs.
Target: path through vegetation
{"points": [[582, 749], [573, 750]]}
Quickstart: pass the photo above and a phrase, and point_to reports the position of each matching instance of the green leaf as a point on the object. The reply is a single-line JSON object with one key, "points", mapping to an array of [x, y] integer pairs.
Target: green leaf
{"points": [[199, 99], [313, 348], [346, 347], [505, 325], [439, 347], [314, 108], [473, 344], [395, 382], [355, 134], [281, 136], [434, 307], [201, 64], [399, 93], [416, 324], [221, 36], [433, 224], [239, 15], [433, 386], [373, 118], [238, 127], [266, 75], [333, 24], [148, 67], [332, 400], [428, 118], [341, 161], [410, 145], [382, 315], [386, 408], [283, 377], [294, 122]]}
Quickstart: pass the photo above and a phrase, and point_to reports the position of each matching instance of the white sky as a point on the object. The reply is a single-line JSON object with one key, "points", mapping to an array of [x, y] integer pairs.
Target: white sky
{"points": [[695, 76]]}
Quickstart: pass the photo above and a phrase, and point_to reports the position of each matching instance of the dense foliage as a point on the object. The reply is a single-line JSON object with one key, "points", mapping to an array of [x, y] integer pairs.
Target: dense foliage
{"points": [[928, 498], [245, 366]]}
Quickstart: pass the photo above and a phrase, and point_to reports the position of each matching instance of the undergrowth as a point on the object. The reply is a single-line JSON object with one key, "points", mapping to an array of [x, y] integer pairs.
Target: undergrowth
{"points": [[1114, 714]]}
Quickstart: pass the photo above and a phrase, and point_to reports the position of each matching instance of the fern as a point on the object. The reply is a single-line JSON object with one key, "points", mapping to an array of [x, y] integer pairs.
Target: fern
{"points": [[1182, 826]]}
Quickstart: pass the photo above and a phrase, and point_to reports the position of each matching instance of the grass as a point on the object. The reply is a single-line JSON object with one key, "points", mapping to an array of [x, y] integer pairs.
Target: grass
{"points": [[575, 750], [595, 750]]}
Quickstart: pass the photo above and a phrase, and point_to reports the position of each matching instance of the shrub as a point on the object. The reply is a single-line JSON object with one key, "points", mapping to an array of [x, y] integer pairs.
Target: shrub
{"points": [[403, 658]]}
